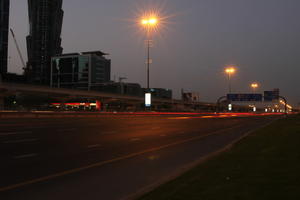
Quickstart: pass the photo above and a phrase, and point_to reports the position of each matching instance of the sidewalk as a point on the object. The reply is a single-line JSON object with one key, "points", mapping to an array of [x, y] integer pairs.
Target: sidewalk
{"points": [[265, 165]]}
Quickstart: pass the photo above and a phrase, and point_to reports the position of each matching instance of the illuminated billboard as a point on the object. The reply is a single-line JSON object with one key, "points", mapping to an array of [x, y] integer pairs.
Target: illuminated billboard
{"points": [[148, 99]]}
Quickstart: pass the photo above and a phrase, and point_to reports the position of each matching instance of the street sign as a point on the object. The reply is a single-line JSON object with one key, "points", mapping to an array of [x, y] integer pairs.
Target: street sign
{"points": [[244, 97], [271, 95]]}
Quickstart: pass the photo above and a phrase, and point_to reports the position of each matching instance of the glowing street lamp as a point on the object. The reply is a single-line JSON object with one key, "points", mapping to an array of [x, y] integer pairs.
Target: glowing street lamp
{"points": [[149, 23], [254, 86], [230, 71]]}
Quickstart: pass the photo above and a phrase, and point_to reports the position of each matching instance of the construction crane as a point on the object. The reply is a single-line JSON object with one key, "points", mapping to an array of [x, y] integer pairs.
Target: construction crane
{"points": [[18, 48]]}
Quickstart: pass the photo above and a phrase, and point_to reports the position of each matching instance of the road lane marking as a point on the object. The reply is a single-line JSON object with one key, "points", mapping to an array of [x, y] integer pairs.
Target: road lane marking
{"points": [[108, 132], [93, 146], [20, 141], [99, 164], [15, 133], [25, 156], [135, 139]]}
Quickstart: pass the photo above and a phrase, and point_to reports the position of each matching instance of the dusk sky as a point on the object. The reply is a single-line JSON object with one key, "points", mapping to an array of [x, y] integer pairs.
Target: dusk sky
{"points": [[201, 37]]}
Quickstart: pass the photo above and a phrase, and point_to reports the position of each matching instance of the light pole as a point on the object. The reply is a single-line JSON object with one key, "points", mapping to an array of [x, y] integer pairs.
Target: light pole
{"points": [[254, 86], [149, 24], [229, 71]]}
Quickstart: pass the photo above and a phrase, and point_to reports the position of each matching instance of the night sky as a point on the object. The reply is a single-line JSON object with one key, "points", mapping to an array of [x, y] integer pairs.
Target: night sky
{"points": [[196, 42]]}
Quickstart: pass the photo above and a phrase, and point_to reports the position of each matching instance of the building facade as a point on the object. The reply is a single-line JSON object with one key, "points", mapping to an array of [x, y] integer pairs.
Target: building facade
{"points": [[160, 93], [44, 41], [84, 71], [130, 89], [4, 26]]}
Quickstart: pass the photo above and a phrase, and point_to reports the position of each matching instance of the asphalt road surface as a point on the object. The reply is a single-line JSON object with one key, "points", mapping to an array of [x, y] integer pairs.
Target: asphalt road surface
{"points": [[108, 157]]}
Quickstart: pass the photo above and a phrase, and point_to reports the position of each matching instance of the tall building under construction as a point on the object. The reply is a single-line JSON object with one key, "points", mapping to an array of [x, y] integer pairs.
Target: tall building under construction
{"points": [[44, 40], [4, 26]]}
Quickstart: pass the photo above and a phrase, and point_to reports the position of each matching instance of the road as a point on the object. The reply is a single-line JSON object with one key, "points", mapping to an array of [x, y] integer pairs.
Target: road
{"points": [[107, 157]]}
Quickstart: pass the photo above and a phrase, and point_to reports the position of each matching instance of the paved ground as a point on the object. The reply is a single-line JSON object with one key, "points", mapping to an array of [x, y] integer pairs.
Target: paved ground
{"points": [[109, 157]]}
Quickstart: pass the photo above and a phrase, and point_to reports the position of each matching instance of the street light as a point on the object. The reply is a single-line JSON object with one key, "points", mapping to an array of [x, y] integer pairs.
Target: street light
{"points": [[254, 86], [149, 23], [229, 71]]}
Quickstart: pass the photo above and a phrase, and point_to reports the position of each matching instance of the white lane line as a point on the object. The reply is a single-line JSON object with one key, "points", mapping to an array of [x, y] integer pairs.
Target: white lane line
{"points": [[20, 141], [135, 139], [15, 133], [25, 156], [93, 146]]}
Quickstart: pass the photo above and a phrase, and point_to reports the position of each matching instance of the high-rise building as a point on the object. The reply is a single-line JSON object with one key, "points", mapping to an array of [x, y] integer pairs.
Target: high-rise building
{"points": [[4, 26], [44, 41]]}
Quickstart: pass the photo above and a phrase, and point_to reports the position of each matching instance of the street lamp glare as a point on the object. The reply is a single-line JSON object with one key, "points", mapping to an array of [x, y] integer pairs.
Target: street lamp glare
{"points": [[144, 22], [230, 70], [153, 21], [254, 85], [150, 21]]}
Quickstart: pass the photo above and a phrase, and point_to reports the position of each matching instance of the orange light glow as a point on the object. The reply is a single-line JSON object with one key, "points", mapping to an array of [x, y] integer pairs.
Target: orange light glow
{"points": [[230, 70], [254, 85], [144, 21], [153, 21], [149, 22]]}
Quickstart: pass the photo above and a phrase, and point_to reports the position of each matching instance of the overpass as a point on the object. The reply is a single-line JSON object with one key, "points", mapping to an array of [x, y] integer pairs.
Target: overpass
{"points": [[7, 89]]}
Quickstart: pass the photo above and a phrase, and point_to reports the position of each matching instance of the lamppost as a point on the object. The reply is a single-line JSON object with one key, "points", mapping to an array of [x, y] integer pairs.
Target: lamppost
{"points": [[254, 86], [149, 23], [229, 71]]}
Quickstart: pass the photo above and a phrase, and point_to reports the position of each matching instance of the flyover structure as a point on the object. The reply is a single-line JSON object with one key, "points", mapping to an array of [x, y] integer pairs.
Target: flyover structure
{"points": [[8, 89]]}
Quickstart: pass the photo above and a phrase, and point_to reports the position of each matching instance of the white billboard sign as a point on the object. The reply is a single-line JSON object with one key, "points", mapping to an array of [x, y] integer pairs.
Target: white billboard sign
{"points": [[148, 99]]}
